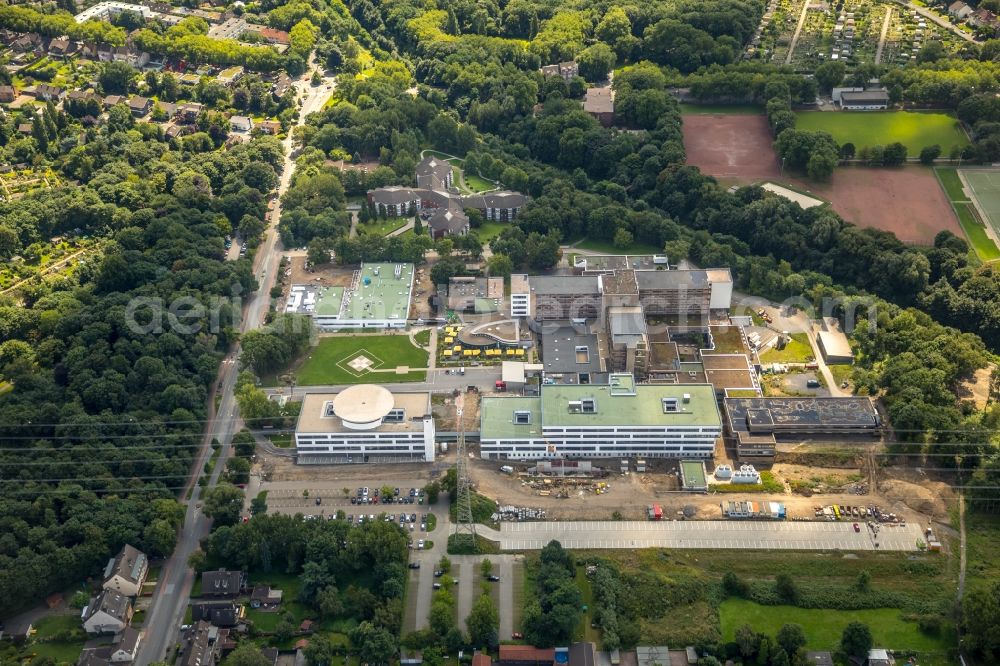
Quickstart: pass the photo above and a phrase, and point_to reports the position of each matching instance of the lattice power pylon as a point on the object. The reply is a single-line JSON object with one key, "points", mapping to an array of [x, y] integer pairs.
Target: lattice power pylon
{"points": [[465, 530]]}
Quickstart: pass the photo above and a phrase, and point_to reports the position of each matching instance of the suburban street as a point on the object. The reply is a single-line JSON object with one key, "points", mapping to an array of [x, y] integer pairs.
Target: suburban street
{"points": [[746, 534], [169, 601]]}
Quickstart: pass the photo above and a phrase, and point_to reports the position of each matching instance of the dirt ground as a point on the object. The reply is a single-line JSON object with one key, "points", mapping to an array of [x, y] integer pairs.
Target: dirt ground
{"points": [[909, 201], [977, 389], [731, 146], [422, 289], [327, 275], [445, 416]]}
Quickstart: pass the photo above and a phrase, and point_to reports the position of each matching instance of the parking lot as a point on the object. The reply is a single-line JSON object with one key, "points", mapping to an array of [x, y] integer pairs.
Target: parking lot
{"points": [[750, 535], [318, 499]]}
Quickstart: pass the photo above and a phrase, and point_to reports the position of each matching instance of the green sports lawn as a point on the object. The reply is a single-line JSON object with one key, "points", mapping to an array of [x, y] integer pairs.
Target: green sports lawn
{"points": [[975, 232], [823, 627], [326, 363], [915, 130]]}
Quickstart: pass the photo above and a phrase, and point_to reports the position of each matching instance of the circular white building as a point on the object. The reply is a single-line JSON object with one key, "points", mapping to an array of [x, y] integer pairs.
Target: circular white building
{"points": [[363, 407]]}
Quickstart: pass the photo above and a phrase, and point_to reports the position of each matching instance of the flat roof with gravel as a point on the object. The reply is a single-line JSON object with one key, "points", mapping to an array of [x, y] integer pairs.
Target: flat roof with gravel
{"points": [[380, 294]]}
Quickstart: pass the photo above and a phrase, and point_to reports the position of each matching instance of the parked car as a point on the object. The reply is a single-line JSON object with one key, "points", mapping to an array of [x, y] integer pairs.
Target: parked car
{"points": [[857, 528], [414, 565], [493, 578], [437, 573], [437, 586]]}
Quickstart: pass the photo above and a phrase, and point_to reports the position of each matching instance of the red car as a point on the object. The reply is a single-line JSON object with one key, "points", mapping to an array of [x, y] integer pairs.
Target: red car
{"points": [[857, 528]]}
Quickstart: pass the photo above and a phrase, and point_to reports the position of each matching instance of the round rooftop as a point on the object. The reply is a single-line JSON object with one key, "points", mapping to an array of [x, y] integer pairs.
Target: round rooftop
{"points": [[363, 403]]}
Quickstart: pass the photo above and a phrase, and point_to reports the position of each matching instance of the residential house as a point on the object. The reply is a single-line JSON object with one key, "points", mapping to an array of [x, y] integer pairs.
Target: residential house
{"points": [[26, 43], [108, 613], [81, 96], [564, 70], [130, 54], [222, 583], [45, 92], [61, 47], [189, 79], [126, 646], [24, 128], [959, 10], [174, 131], [269, 127], [126, 572], [230, 75], [221, 614], [7, 94], [200, 645], [140, 106], [273, 36], [241, 123], [265, 596], [95, 656], [113, 100], [282, 83], [600, 103], [983, 18], [168, 108], [189, 112]]}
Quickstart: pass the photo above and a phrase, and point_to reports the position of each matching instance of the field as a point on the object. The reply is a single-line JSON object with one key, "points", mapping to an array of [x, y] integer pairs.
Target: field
{"points": [[382, 227], [329, 362], [975, 231], [822, 579], [730, 146], [798, 350], [914, 130], [907, 202], [823, 627]]}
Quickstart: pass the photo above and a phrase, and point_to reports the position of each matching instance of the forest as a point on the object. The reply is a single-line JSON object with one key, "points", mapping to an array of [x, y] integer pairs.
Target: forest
{"points": [[108, 404]]}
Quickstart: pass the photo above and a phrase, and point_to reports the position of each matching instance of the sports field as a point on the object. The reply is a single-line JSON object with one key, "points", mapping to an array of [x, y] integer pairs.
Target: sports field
{"points": [[913, 129], [362, 359], [960, 186], [906, 201], [730, 146]]}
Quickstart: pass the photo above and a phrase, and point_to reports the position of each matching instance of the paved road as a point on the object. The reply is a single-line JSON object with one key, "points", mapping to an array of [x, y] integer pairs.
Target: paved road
{"points": [[503, 565], [169, 601], [750, 535]]}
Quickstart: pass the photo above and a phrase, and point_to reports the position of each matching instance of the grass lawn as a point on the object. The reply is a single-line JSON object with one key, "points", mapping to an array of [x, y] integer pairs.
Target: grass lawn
{"points": [[58, 652], [321, 364], [382, 227], [841, 373], [281, 441], [432, 522], [519, 591], [477, 184], [721, 109], [490, 230], [975, 232], [584, 631], [797, 350], [823, 627], [423, 337], [982, 245], [952, 184], [50, 625], [870, 128], [444, 156], [608, 247]]}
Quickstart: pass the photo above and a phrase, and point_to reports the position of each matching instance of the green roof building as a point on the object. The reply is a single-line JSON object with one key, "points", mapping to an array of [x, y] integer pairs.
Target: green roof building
{"points": [[618, 419]]}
